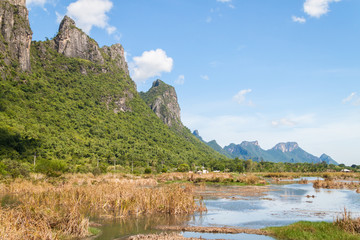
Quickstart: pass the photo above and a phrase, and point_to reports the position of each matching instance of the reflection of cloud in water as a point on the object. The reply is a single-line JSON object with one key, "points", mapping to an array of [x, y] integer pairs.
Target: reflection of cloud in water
{"points": [[285, 204]]}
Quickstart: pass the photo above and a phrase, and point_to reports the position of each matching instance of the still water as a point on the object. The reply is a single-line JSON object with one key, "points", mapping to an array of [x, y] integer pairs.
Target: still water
{"points": [[280, 205]]}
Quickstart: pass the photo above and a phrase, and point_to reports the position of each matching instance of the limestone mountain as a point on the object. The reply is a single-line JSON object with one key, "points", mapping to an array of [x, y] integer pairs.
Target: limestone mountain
{"points": [[79, 105], [327, 159], [213, 144], [281, 152], [15, 37], [163, 101]]}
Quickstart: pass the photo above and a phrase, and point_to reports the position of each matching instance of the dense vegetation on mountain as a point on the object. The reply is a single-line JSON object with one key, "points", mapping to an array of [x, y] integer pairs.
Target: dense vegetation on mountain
{"points": [[79, 114]]}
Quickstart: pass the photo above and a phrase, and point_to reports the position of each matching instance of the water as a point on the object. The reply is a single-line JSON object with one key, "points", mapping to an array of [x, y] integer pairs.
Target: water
{"points": [[281, 205]]}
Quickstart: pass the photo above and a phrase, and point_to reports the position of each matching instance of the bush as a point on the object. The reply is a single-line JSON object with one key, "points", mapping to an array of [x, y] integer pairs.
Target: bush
{"points": [[14, 168], [183, 168], [51, 168], [147, 170]]}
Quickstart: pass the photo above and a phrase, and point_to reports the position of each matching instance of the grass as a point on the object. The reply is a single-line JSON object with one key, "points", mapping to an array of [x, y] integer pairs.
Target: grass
{"points": [[343, 227], [333, 184], [212, 178], [46, 209], [311, 231]]}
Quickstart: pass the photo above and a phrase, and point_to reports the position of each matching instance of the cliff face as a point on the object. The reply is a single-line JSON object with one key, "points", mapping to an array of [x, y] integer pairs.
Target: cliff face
{"points": [[16, 34], [162, 99], [72, 42], [116, 55]]}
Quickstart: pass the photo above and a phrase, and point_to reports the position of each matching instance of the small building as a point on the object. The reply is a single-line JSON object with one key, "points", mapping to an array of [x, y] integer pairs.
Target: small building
{"points": [[345, 170]]}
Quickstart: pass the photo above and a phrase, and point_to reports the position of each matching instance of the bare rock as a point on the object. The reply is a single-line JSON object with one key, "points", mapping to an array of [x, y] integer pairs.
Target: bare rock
{"points": [[116, 55], [162, 99], [16, 34], [73, 42]]}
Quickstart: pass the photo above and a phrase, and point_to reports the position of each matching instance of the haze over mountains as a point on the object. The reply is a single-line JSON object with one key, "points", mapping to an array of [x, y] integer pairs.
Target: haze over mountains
{"points": [[281, 152]]}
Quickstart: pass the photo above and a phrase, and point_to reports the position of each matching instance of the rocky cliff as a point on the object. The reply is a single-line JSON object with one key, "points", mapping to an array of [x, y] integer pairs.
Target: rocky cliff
{"points": [[73, 42], [15, 34], [162, 99], [286, 147]]}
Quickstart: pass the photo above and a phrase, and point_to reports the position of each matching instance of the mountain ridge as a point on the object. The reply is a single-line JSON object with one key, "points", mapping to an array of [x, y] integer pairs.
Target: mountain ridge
{"points": [[281, 152]]}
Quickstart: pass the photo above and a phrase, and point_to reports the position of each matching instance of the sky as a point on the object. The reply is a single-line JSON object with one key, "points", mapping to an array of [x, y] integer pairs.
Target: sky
{"points": [[267, 70]]}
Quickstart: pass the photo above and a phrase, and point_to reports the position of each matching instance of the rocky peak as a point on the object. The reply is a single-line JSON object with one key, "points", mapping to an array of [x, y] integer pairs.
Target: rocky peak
{"points": [[16, 33], [73, 42], [246, 143], [162, 99], [286, 147], [196, 133], [116, 54], [18, 2], [327, 159]]}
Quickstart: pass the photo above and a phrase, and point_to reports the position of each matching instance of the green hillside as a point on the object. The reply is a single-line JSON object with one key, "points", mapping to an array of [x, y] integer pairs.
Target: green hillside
{"points": [[66, 109]]}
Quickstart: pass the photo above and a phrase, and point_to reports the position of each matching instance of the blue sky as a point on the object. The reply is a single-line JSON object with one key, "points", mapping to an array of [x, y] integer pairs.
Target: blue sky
{"points": [[266, 70]]}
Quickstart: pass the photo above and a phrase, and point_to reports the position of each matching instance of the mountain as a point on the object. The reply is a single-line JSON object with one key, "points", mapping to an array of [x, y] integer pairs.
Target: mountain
{"points": [[15, 37], [281, 152], [70, 100], [162, 100], [213, 144], [327, 159]]}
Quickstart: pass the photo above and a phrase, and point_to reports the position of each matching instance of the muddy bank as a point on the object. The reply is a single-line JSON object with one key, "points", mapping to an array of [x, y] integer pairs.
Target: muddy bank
{"points": [[162, 236], [213, 230]]}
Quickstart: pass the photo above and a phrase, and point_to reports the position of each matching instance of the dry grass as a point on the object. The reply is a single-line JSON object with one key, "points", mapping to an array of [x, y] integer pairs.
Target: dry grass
{"points": [[48, 210], [222, 178], [332, 184], [347, 223]]}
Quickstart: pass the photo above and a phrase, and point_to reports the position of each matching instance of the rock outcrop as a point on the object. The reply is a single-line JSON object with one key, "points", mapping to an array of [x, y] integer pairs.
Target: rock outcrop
{"points": [[286, 147], [16, 34], [162, 99], [116, 55], [73, 42]]}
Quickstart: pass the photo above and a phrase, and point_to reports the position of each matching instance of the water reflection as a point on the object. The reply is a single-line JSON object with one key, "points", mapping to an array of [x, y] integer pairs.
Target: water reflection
{"points": [[283, 205], [123, 228], [238, 207]]}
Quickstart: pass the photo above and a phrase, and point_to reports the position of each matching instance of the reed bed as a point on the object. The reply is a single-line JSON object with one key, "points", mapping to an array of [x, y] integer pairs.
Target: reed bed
{"points": [[332, 184], [222, 178], [346, 222], [50, 211]]}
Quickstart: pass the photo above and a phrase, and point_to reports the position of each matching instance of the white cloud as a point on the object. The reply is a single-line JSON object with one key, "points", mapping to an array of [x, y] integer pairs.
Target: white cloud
{"points": [[292, 121], [205, 77], [317, 8], [36, 2], [180, 80], [150, 64], [283, 122], [349, 98], [298, 19], [224, 1], [90, 13], [208, 19], [240, 97], [353, 99]]}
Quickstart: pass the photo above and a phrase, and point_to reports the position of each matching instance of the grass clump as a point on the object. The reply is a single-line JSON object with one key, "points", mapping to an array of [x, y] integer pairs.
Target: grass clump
{"points": [[347, 223], [311, 231]]}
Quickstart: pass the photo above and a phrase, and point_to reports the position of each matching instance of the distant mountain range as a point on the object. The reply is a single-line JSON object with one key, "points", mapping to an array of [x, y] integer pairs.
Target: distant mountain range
{"points": [[282, 152]]}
